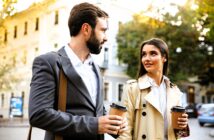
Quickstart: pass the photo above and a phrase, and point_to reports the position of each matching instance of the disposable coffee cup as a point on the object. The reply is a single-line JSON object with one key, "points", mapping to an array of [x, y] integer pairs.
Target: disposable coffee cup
{"points": [[176, 112], [117, 109]]}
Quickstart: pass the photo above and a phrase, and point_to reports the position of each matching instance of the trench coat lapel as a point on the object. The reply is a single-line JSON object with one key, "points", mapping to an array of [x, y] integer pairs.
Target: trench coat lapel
{"points": [[73, 76], [145, 84], [150, 97], [173, 95]]}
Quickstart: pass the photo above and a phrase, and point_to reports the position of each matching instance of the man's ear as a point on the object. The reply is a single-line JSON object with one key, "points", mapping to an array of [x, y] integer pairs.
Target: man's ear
{"points": [[86, 30]]}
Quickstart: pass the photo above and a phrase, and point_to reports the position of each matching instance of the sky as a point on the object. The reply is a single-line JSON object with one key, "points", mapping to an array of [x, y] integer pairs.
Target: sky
{"points": [[131, 5]]}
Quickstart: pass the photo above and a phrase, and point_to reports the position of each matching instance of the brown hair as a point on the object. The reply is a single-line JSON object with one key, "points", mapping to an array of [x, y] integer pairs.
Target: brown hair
{"points": [[84, 13], [162, 46]]}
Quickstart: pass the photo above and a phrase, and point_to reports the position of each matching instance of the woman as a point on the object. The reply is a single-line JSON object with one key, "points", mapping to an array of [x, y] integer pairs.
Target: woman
{"points": [[150, 98]]}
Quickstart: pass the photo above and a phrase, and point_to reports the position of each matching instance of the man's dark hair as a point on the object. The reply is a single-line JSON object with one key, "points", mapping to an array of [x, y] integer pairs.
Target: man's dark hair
{"points": [[84, 13], [162, 46]]}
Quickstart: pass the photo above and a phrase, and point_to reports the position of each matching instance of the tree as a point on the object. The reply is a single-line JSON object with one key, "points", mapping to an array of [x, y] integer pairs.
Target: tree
{"points": [[5, 67], [7, 76], [179, 32], [129, 37], [7, 9], [206, 17]]}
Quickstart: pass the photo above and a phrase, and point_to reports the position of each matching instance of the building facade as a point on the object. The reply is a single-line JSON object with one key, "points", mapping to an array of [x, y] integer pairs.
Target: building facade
{"points": [[42, 28]]}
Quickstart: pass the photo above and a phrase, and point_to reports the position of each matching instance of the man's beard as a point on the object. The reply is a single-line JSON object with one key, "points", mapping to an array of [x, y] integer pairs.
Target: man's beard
{"points": [[93, 44]]}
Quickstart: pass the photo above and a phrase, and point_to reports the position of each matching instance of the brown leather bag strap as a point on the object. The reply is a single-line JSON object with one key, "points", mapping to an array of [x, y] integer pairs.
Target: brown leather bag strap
{"points": [[62, 96], [61, 100], [29, 133], [62, 92]]}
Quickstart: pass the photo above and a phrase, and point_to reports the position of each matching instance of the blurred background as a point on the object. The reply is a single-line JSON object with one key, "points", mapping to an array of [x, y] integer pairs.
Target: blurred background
{"points": [[34, 27]]}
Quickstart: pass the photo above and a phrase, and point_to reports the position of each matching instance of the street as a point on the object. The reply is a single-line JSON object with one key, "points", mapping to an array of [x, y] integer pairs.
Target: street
{"points": [[20, 133]]}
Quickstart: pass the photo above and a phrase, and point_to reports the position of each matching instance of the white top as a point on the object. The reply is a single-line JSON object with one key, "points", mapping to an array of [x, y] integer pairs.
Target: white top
{"points": [[85, 71], [160, 97]]}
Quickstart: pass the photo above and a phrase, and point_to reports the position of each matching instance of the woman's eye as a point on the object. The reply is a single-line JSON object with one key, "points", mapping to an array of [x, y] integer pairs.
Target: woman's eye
{"points": [[153, 53]]}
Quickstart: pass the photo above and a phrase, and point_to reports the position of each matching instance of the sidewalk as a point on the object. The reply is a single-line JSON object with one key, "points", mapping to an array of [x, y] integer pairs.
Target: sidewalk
{"points": [[14, 122], [212, 133]]}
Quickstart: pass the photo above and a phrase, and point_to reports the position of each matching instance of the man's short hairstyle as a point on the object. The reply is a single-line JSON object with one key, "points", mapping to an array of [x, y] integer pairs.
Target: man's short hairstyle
{"points": [[84, 13]]}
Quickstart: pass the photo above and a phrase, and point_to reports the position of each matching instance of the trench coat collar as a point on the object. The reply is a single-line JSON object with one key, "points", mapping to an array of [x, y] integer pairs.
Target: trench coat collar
{"points": [[145, 82]]}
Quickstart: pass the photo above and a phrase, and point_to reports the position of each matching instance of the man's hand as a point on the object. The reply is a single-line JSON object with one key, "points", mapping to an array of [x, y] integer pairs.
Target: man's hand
{"points": [[110, 124], [182, 122]]}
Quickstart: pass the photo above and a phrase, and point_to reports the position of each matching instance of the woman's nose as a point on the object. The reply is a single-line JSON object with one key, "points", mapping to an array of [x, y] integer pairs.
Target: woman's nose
{"points": [[147, 57]]}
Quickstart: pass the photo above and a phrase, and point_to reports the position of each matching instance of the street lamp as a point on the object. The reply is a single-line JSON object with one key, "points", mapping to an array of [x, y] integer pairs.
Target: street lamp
{"points": [[210, 50], [178, 50]]}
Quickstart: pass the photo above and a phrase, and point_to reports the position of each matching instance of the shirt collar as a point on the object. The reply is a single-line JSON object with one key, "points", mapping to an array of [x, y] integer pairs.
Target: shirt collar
{"points": [[153, 83], [75, 59], [145, 81]]}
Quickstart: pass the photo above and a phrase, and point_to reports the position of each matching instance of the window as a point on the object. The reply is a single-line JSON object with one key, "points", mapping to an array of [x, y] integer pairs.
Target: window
{"points": [[2, 100], [36, 49], [12, 94], [15, 32], [23, 94], [106, 90], [120, 92], [208, 99], [56, 17], [5, 36], [37, 24], [106, 55], [25, 28], [203, 99], [55, 45]]}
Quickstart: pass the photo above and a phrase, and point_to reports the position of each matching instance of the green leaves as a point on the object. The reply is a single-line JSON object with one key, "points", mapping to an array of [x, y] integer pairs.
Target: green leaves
{"points": [[178, 31]]}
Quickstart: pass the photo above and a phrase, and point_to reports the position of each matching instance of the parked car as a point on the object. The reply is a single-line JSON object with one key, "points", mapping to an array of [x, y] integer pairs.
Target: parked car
{"points": [[206, 114], [191, 110]]}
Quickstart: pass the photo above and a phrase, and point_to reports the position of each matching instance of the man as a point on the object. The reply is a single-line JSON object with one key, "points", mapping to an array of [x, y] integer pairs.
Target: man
{"points": [[83, 118]]}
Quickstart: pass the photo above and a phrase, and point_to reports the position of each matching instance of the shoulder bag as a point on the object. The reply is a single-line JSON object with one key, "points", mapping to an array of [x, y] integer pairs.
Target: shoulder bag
{"points": [[61, 100]]}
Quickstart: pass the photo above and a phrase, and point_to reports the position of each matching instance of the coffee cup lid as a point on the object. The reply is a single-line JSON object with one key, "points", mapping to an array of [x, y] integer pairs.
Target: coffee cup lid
{"points": [[117, 106], [178, 109]]}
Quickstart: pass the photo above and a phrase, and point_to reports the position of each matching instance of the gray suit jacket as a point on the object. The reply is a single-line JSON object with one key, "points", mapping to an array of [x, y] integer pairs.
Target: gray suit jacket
{"points": [[80, 121]]}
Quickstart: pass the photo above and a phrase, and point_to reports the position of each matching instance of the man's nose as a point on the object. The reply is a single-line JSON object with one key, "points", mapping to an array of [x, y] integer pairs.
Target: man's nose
{"points": [[105, 39]]}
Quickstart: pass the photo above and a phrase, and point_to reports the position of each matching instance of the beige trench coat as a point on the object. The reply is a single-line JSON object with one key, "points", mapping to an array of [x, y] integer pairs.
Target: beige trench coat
{"points": [[144, 120]]}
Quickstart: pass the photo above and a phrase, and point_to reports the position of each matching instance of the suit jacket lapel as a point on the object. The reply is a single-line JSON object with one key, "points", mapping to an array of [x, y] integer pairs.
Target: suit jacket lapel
{"points": [[99, 83], [73, 76]]}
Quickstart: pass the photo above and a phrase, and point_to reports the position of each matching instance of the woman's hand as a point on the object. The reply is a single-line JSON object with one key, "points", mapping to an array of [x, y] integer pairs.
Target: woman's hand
{"points": [[183, 121]]}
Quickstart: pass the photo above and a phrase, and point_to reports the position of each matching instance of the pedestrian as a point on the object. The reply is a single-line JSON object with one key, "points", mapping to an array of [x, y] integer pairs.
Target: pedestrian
{"points": [[150, 97], [84, 117]]}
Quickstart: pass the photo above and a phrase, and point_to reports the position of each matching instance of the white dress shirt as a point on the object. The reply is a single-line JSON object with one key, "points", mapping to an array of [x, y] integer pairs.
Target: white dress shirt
{"points": [[159, 93], [86, 72]]}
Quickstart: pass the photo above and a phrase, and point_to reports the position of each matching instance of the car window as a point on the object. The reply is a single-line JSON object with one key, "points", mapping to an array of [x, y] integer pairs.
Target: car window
{"points": [[206, 108]]}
